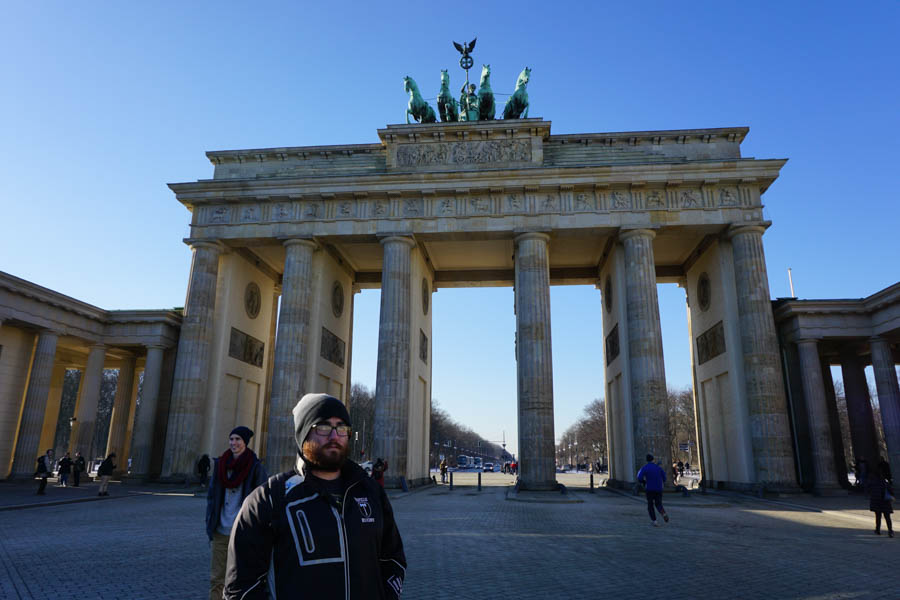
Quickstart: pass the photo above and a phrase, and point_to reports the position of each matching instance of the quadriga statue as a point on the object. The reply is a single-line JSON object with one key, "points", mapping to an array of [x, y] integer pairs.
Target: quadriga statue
{"points": [[420, 110], [447, 106], [517, 104], [486, 107]]}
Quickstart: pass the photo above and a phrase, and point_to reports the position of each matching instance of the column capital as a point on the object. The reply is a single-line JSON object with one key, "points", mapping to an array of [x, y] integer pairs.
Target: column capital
{"points": [[196, 243], [753, 227], [98, 346], [299, 241], [156, 346], [640, 232], [808, 340], [532, 235], [397, 237]]}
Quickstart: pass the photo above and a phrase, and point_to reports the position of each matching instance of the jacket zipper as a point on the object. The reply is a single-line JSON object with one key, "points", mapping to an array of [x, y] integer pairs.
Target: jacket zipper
{"points": [[346, 544]]}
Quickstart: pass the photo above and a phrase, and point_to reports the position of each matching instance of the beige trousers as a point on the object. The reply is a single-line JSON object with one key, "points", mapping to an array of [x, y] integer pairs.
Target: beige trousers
{"points": [[104, 483], [219, 547]]}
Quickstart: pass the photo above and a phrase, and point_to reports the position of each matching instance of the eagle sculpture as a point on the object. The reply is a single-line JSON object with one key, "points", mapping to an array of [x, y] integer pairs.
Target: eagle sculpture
{"points": [[465, 49]]}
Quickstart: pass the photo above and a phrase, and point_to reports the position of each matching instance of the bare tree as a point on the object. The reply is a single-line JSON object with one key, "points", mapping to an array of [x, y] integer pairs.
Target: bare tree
{"points": [[682, 429]]}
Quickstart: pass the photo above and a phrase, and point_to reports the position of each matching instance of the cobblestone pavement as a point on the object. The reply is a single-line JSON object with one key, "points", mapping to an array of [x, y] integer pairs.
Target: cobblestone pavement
{"points": [[468, 544]]}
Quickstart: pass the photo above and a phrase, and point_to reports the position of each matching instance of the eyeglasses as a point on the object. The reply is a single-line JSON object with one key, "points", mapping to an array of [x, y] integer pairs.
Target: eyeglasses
{"points": [[325, 429]]}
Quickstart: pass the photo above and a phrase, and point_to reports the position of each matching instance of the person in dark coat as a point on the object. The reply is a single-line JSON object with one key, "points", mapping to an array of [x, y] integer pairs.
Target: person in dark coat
{"points": [[235, 475], [324, 529], [203, 469], [65, 467], [44, 470], [78, 467], [378, 470], [105, 471], [880, 500]]}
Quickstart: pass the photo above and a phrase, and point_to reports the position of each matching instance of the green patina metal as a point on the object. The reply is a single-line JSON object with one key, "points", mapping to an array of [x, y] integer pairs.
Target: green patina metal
{"points": [[472, 106], [420, 110], [517, 104]]}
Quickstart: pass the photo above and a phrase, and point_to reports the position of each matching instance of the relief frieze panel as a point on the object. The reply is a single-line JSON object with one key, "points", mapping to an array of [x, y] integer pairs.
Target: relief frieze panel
{"points": [[533, 200], [482, 152]]}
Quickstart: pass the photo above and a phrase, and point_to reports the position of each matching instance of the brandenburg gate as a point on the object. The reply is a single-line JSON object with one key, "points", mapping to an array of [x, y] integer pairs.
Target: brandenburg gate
{"points": [[482, 203]]}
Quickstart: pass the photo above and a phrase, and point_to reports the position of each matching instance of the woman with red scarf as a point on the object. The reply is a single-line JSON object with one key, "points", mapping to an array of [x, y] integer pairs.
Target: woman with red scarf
{"points": [[234, 475]]}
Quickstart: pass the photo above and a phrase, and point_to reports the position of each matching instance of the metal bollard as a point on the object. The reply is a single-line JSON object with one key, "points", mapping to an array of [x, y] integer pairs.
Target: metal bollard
{"points": [[479, 481], [451, 480], [592, 482]]}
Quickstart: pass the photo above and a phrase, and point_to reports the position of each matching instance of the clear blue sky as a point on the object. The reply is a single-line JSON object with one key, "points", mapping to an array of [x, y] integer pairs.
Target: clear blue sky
{"points": [[105, 103]]}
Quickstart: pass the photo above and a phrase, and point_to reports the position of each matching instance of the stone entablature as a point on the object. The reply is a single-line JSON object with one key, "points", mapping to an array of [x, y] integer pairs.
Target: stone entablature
{"points": [[682, 177], [876, 315], [39, 307]]}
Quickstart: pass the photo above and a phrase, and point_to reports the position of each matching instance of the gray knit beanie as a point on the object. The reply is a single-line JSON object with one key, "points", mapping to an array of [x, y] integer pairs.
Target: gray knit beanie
{"points": [[315, 408]]}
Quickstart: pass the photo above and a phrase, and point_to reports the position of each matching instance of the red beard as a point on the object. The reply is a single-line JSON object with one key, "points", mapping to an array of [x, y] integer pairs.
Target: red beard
{"points": [[322, 457]]}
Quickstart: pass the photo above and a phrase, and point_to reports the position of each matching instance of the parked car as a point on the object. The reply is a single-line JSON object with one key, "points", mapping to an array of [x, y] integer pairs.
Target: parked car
{"points": [[367, 466]]}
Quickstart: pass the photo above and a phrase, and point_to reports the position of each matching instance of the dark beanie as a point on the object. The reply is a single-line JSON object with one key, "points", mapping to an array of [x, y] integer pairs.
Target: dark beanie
{"points": [[315, 408], [649, 458], [242, 431]]}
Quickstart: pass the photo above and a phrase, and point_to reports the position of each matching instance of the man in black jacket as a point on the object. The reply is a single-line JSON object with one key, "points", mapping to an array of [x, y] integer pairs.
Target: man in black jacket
{"points": [[322, 530]]}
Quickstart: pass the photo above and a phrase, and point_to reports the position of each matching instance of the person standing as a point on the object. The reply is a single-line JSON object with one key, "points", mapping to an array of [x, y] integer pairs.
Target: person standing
{"points": [[78, 467], [378, 470], [881, 497], [235, 475], [444, 471], [653, 477], [44, 470], [65, 467], [203, 469], [105, 471], [324, 529]]}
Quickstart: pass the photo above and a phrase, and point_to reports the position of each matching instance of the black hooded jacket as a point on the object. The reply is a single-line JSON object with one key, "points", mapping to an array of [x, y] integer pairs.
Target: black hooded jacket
{"points": [[291, 540]]}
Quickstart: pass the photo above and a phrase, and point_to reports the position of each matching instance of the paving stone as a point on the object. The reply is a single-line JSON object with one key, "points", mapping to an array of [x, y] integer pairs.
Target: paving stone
{"points": [[468, 544]]}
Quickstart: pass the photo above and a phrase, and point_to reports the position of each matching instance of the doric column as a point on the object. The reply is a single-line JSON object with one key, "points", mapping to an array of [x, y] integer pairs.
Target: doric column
{"points": [[766, 402], [392, 378], [650, 415], [291, 354], [888, 398], [32, 420], [192, 364], [82, 437], [859, 406], [534, 362], [118, 422], [145, 420], [817, 414]]}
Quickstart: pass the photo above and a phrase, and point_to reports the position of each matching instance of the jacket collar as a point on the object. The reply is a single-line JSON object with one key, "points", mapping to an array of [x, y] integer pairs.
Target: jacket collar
{"points": [[350, 472]]}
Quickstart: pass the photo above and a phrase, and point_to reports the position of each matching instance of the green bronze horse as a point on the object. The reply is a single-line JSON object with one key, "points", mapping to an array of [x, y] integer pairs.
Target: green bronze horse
{"points": [[418, 108], [518, 102], [446, 102], [486, 108]]}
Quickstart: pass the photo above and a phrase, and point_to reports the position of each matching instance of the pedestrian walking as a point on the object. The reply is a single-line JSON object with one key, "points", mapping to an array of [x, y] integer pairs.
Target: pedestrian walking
{"points": [[861, 472], [680, 468], [653, 477], [64, 468], [444, 471], [44, 470], [105, 472], [78, 467], [203, 469], [235, 475], [881, 498], [324, 529]]}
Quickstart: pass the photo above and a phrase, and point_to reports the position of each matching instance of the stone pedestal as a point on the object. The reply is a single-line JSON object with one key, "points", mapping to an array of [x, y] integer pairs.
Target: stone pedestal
{"points": [[118, 423], [888, 398], [32, 421], [145, 421], [817, 414], [192, 366], [770, 430], [291, 354], [650, 417], [859, 406], [534, 363], [392, 380], [82, 438]]}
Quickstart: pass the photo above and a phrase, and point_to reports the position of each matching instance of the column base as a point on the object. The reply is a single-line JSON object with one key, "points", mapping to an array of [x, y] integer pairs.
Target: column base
{"points": [[175, 478], [537, 486]]}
